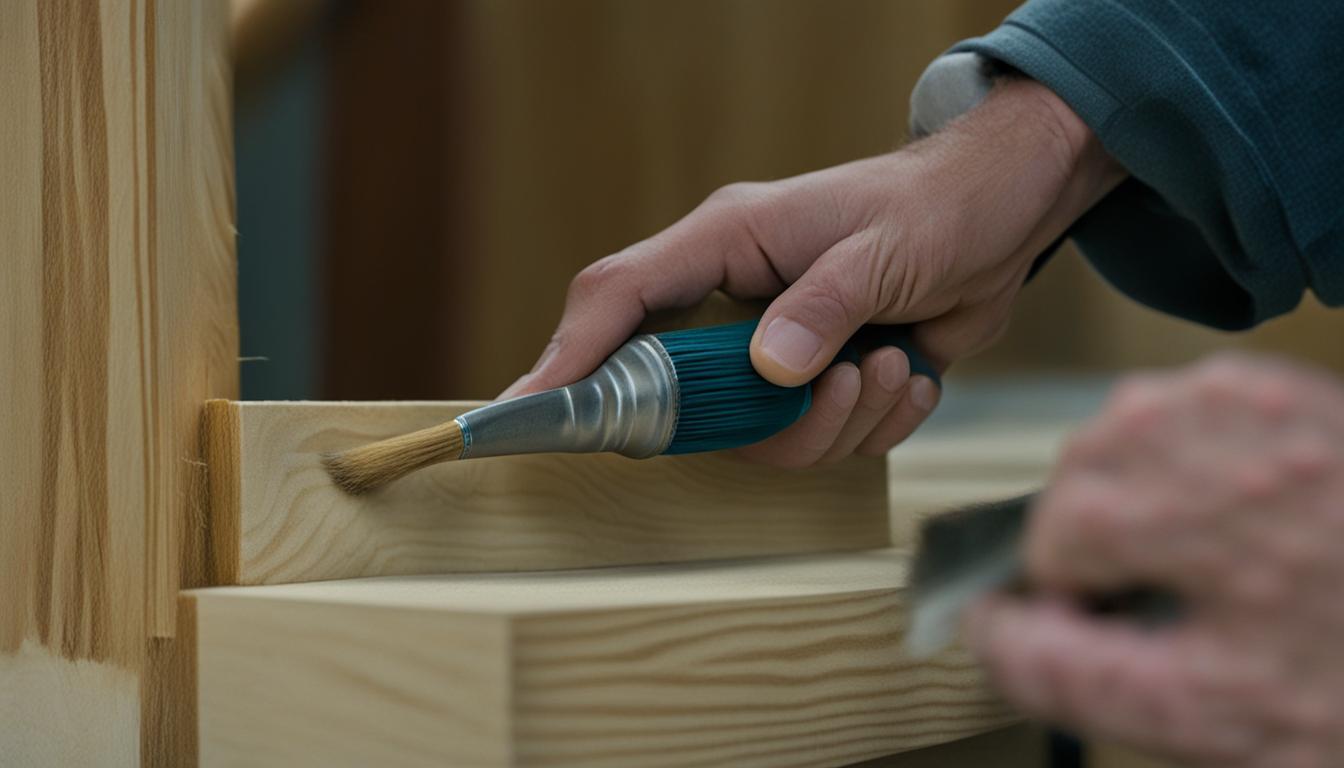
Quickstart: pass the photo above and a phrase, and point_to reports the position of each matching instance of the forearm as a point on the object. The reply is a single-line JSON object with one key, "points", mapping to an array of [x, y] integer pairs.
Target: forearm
{"points": [[1218, 111]]}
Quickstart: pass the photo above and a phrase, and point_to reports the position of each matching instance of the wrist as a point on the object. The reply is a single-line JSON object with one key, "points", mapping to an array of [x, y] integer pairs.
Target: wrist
{"points": [[1016, 171], [1085, 169]]}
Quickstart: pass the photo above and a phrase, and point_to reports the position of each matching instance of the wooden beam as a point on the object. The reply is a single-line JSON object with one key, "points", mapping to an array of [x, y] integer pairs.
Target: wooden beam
{"points": [[276, 517], [786, 661], [117, 322]]}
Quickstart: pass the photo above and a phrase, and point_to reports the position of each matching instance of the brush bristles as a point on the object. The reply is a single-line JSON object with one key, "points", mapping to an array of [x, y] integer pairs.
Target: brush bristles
{"points": [[723, 401], [362, 469]]}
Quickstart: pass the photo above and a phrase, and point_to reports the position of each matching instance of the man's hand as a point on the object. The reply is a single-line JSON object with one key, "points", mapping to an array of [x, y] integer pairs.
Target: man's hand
{"points": [[1226, 484], [940, 234]]}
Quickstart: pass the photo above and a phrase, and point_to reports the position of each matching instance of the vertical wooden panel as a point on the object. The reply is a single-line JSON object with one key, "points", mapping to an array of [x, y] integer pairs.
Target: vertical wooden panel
{"points": [[462, 203], [396, 250], [117, 322], [600, 122]]}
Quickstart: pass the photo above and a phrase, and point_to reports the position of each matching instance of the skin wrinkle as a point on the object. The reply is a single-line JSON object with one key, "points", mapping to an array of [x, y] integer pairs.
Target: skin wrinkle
{"points": [[940, 234]]}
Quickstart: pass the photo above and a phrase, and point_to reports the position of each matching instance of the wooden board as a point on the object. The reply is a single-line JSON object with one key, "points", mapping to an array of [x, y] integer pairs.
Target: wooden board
{"points": [[785, 661], [117, 322], [277, 518], [943, 470]]}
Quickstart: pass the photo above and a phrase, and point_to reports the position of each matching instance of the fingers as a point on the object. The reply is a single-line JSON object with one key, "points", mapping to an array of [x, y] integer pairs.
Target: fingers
{"points": [[807, 440], [1091, 533], [712, 246], [804, 328], [1195, 694], [1103, 678], [746, 238], [885, 373], [912, 407]]}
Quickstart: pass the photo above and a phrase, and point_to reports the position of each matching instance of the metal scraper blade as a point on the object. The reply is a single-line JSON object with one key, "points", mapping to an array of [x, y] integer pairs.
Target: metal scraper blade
{"points": [[962, 555]]}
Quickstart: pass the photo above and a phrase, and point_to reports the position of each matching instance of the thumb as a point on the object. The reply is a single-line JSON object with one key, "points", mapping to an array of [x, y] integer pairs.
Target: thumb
{"points": [[804, 328]]}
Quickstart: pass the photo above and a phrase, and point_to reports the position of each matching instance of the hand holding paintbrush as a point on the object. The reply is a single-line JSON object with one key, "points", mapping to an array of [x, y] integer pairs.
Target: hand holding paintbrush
{"points": [[669, 393]]}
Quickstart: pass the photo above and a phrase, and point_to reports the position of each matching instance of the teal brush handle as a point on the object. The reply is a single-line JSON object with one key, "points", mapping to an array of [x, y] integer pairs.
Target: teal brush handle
{"points": [[871, 337], [722, 402], [676, 392]]}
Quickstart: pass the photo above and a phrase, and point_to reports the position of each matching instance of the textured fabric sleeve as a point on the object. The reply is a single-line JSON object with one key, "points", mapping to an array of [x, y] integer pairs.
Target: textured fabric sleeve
{"points": [[1226, 115]]}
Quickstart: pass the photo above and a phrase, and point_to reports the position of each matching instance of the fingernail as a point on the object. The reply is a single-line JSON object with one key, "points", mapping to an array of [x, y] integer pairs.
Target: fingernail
{"points": [[923, 393], [790, 344], [890, 372], [845, 393]]}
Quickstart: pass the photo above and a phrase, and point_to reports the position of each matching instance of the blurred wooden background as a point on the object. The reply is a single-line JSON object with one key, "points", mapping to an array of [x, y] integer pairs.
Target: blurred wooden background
{"points": [[478, 153]]}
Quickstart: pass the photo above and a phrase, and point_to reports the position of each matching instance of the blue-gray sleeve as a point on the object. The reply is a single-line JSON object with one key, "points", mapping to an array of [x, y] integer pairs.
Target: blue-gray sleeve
{"points": [[1229, 117]]}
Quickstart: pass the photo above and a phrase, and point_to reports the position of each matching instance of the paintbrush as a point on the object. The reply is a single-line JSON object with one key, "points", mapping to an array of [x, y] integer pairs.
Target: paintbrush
{"points": [[678, 392], [967, 553]]}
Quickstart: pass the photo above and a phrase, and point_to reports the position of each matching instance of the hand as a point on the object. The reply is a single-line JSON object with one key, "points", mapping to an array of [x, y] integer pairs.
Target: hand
{"points": [[1226, 484], [940, 234]]}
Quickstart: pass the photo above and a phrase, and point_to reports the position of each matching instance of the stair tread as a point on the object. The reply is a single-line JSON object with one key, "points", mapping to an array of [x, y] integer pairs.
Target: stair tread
{"points": [[745, 662], [601, 588]]}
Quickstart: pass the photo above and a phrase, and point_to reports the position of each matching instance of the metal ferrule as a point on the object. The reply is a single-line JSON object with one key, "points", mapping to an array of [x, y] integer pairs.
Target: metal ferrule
{"points": [[627, 406]]}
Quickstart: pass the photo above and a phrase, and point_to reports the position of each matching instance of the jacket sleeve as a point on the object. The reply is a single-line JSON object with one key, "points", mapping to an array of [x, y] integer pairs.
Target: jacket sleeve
{"points": [[1229, 117]]}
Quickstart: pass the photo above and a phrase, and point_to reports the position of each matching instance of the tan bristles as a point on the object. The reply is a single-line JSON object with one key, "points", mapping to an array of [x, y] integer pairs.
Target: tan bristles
{"points": [[367, 467]]}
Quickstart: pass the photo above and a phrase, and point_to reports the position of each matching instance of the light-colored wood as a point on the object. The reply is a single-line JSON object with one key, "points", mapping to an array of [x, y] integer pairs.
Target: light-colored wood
{"points": [[117, 322], [508, 513], [600, 123], [944, 470], [56, 711], [785, 661]]}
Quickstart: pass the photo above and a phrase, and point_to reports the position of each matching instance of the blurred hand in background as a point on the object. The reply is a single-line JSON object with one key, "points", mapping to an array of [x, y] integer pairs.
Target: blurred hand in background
{"points": [[940, 235], [1226, 483]]}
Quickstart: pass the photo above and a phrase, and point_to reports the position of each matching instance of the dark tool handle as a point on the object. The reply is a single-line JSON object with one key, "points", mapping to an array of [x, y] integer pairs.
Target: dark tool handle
{"points": [[871, 337]]}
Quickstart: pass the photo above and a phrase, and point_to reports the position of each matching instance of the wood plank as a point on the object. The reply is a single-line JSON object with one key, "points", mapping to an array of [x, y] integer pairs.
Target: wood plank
{"points": [[277, 518], [937, 471], [56, 711], [784, 661], [117, 322]]}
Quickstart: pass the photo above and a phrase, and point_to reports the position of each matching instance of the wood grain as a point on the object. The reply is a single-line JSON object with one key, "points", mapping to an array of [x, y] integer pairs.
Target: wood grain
{"points": [[784, 661], [508, 513], [118, 302], [117, 321]]}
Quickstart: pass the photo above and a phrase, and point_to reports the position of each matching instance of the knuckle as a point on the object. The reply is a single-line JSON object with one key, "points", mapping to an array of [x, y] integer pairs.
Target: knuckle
{"points": [[1218, 373], [1083, 510], [595, 277], [823, 303], [738, 194], [1138, 405], [1274, 396]]}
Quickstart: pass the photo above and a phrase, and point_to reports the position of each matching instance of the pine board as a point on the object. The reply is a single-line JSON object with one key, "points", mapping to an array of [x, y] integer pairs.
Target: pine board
{"points": [[276, 517], [117, 322], [784, 661]]}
